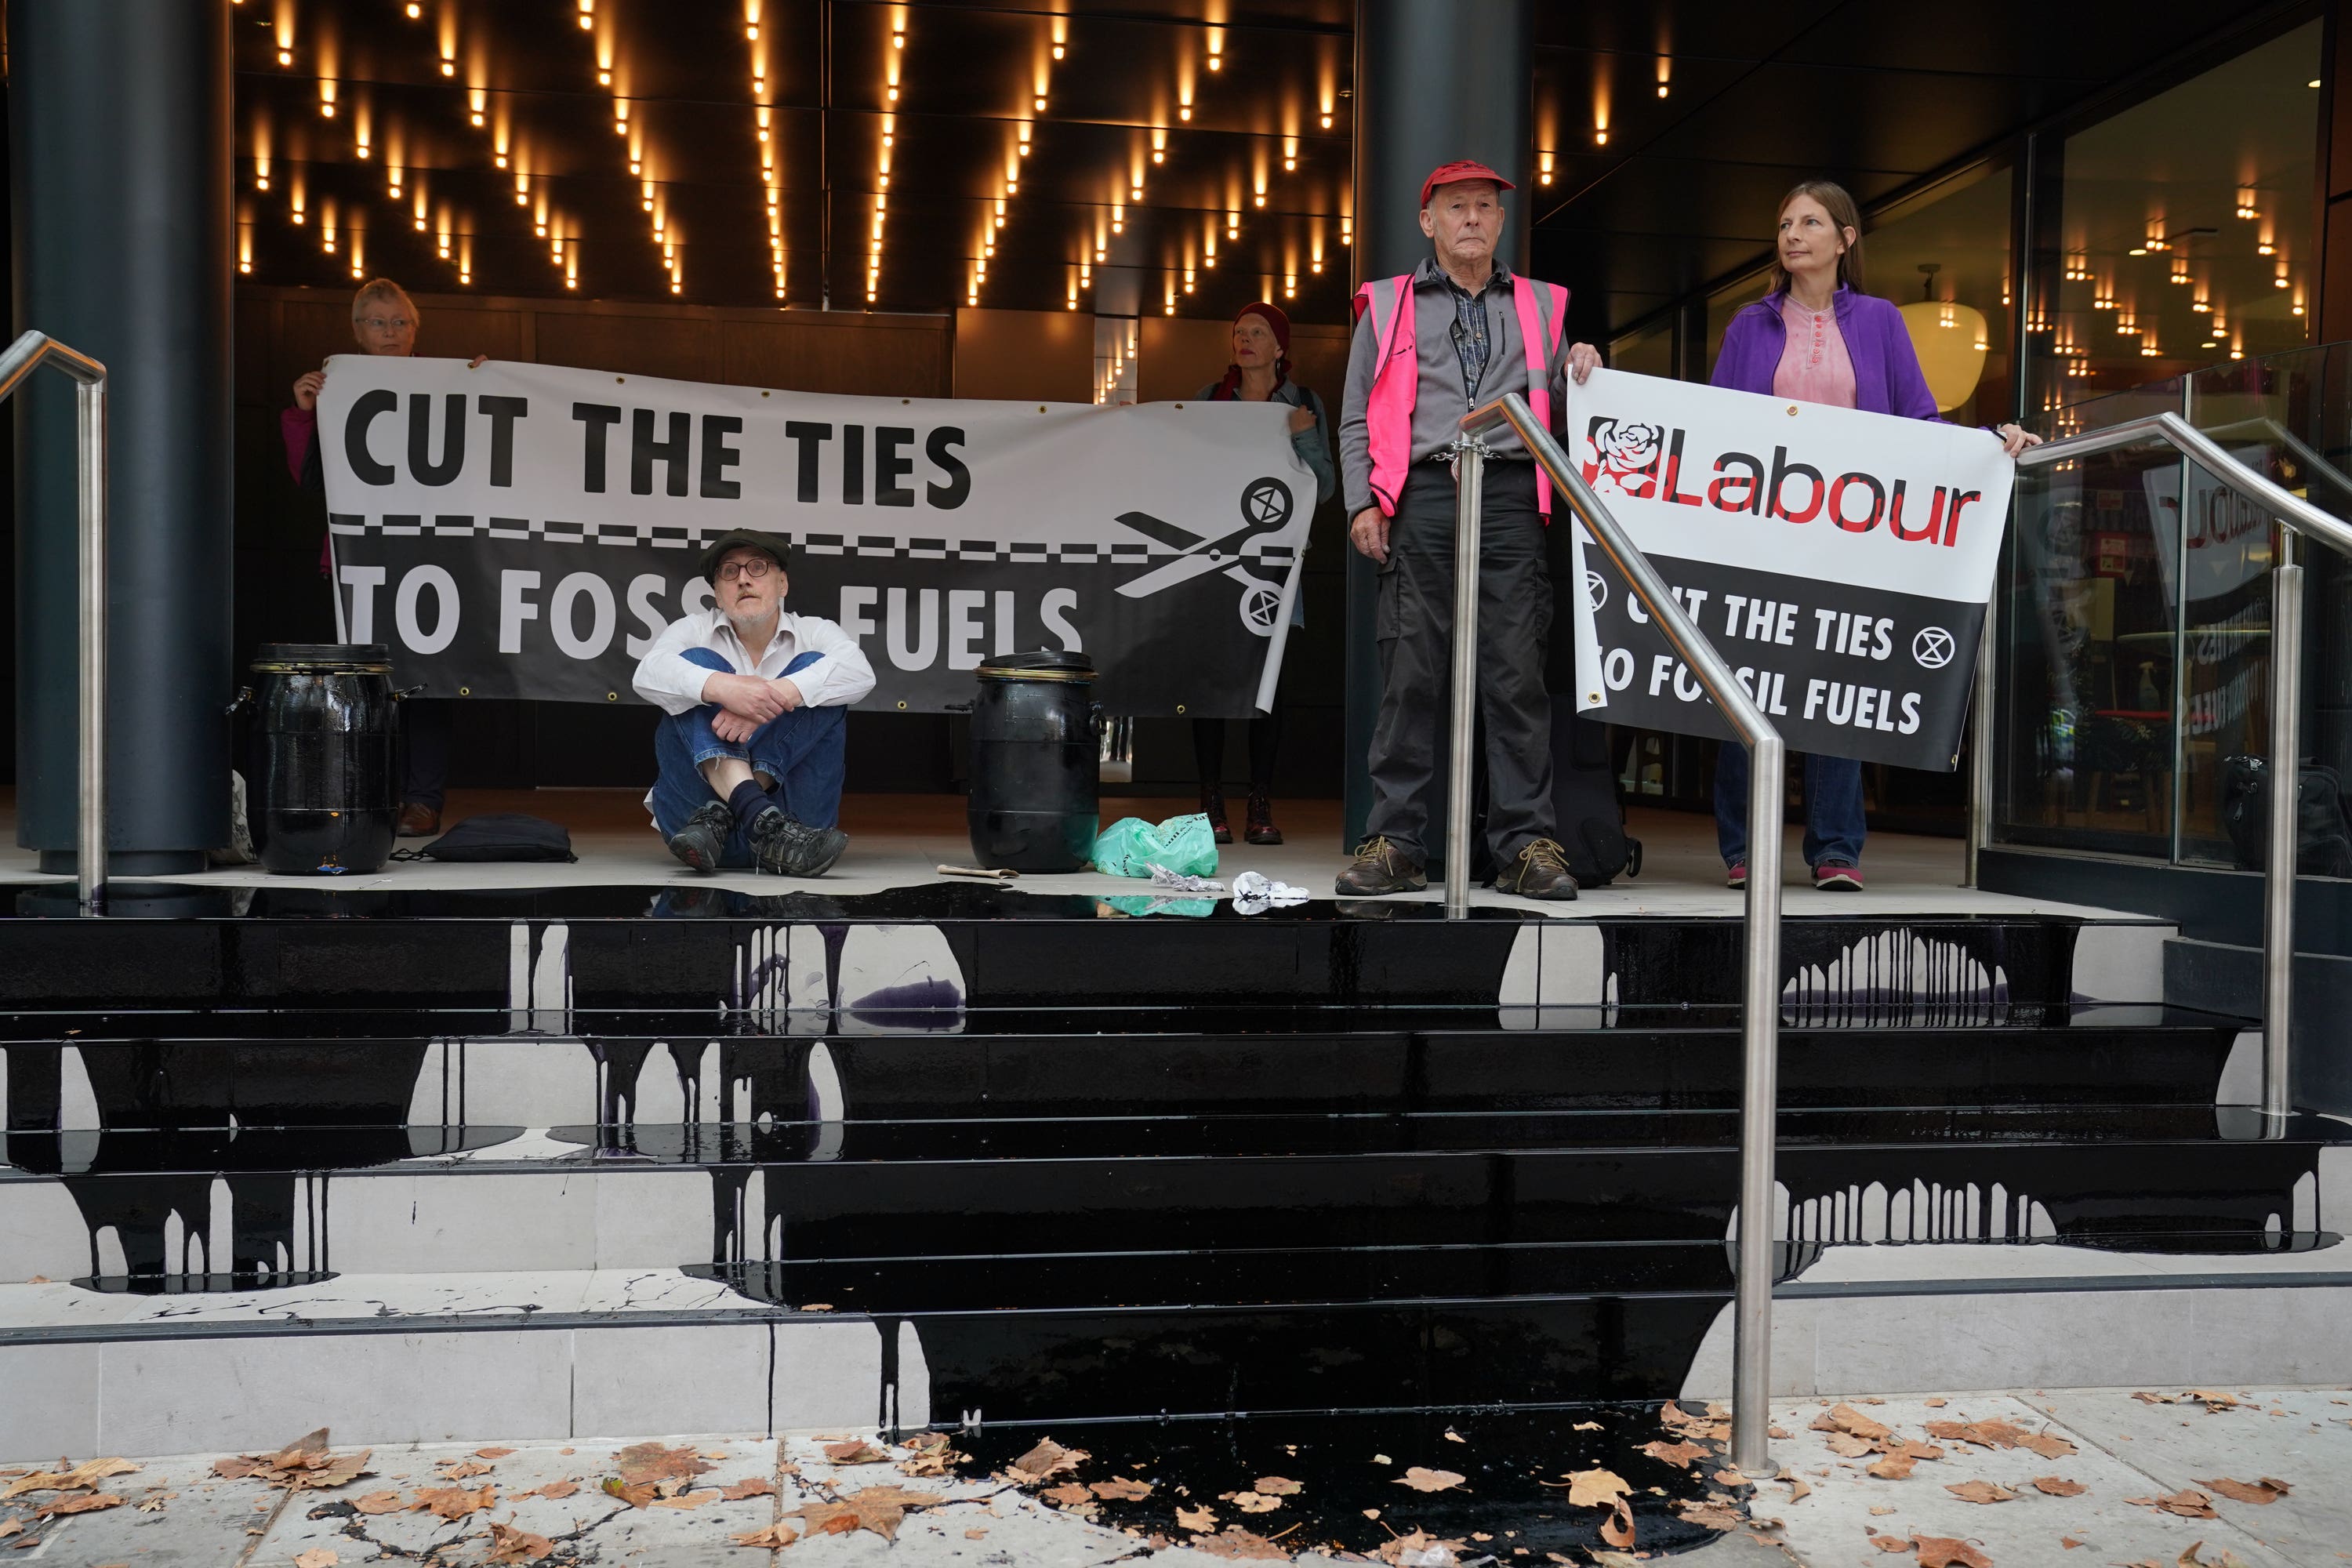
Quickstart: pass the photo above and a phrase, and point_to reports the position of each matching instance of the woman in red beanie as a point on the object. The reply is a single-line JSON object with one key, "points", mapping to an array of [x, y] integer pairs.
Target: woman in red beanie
{"points": [[1260, 373]]}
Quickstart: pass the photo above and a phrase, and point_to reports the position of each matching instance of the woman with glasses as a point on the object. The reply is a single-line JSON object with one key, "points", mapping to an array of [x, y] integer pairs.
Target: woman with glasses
{"points": [[1260, 373], [383, 320], [1817, 338]]}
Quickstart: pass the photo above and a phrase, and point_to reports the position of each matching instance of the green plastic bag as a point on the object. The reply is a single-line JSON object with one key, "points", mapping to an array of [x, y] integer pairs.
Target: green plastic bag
{"points": [[1131, 847]]}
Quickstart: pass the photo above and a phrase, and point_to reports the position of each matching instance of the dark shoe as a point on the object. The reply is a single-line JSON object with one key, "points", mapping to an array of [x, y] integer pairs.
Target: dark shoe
{"points": [[1261, 828], [1381, 868], [1213, 806], [419, 821], [1837, 877], [703, 839], [1538, 871], [788, 848]]}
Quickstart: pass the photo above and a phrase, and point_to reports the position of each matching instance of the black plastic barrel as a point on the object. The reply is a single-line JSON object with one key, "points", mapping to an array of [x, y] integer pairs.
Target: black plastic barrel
{"points": [[329, 801], [1034, 763]]}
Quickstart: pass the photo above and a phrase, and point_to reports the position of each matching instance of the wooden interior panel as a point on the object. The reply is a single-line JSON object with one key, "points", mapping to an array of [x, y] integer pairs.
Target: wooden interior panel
{"points": [[1036, 356]]}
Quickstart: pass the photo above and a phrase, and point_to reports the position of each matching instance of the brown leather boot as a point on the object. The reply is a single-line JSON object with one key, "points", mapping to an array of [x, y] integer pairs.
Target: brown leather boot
{"points": [[1261, 828], [418, 821], [1380, 867], [1538, 871], [1213, 806]]}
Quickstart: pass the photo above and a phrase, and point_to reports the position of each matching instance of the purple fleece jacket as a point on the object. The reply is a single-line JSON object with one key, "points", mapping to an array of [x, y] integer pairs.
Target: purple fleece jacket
{"points": [[1886, 374]]}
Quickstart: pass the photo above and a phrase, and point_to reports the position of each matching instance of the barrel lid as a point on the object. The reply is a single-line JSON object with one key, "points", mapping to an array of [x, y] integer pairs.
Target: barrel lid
{"points": [[1041, 665], [287, 656]]}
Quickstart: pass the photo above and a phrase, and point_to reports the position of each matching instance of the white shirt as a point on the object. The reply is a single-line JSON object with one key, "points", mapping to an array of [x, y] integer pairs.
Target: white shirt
{"points": [[673, 683]]}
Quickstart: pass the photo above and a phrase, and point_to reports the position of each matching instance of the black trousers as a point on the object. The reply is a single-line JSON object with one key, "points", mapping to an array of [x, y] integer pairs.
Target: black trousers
{"points": [[1413, 624], [424, 724]]}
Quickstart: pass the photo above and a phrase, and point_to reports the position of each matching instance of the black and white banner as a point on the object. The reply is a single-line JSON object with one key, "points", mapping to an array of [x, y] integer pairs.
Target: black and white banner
{"points": [[526, 531], [1841, 562]]}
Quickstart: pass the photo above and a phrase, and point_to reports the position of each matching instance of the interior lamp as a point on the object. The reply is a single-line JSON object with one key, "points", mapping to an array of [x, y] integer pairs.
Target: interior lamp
{"points": [[1949, 338]]}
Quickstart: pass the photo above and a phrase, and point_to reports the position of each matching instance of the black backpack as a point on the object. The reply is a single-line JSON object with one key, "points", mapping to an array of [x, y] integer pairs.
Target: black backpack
{"points": [[2323, 834], [498, 836]]}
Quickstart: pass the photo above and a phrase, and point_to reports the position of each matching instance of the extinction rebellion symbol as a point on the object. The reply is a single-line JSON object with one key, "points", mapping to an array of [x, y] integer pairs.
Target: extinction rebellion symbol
{"points": [[1932, 647]]}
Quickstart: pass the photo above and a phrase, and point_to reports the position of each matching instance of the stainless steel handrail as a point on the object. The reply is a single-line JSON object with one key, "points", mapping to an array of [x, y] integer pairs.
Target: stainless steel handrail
{"points": [[2298, 516], [1751, 1342], [24, 356]]}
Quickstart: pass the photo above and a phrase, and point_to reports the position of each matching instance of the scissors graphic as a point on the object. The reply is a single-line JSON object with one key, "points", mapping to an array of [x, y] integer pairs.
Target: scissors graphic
{"points": [[1265, 509]]}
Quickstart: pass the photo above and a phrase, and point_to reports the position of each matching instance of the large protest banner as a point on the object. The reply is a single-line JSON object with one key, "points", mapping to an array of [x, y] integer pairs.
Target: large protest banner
{"points": [[1841, 562], [526, 531]]}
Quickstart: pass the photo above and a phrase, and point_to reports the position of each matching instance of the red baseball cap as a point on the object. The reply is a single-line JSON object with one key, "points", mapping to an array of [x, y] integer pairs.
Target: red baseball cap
{"points": [[1460, 169]]}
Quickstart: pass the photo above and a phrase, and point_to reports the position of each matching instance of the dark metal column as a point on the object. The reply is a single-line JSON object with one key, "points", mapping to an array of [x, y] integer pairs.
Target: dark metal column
{"points": [[1435, 80], [119, 142]]}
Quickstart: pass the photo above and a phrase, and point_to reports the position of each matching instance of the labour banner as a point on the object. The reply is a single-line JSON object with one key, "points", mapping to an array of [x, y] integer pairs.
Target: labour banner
{"points": [[1840, 561], [526, 531]]}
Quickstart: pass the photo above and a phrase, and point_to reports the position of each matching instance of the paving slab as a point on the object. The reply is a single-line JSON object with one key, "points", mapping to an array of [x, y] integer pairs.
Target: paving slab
{"points": [[175, 1514]]}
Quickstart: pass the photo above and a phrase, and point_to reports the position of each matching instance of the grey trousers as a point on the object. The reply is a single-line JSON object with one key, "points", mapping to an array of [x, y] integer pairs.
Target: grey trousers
{"points": [[1413, 624]]}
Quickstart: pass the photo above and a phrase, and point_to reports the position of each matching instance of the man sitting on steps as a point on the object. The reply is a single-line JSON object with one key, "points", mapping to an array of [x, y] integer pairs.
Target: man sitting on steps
{"points": [[750, 757]]}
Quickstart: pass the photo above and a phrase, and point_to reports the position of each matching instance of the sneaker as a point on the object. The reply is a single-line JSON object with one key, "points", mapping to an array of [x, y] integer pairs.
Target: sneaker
{"points": [[1261, 828], [784, 848], [1837, 877], [1538, 871], [1737, 877], [1213, 806], [1381, 868], [703, 839]]}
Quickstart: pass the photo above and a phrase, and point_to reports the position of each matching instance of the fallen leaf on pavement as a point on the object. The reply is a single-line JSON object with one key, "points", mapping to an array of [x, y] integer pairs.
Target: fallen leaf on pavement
{"points": [[1894, 1468], [2264, 1492], [1680, 1455], [318, 1557], [1713, 1515], [87, 1502], [384, 1502], [1278, 1486], [2213, 1400], [642, 1495], [1799, 1488], [772, 1535], [2155, 1399], [453, 1502], [877, 1509], [857, 1452], [976, 1532], [1426, 1480], [1251, 1502], [2068, 1543], [757, 1486], [1980, 1491], [508, 1544], [1617, 1530], [2049, 1445], [1239, 1543], [1846, 1418], [9, 1527], [1418, 1547], [2187, 1503], [1070, 1494], [1453, 1436], [1890, 1543], [1935, 1404], [1048, 1459], [643, 1464], [492, 1453], [1196, 1518], [2058, 1486], [1586, 1427], [1943, 1551], [1846, 1445], [89, 1473], [1596, 1489], [687, 1499], [1983, 1434], [464, 1469], [1127, 1490]]}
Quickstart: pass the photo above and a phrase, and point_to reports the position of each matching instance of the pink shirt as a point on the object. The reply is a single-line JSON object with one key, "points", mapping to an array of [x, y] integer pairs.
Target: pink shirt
{"points": [[1815, 367]]}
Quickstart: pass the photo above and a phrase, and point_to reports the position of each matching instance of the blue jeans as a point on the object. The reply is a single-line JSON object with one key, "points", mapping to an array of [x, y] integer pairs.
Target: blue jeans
{"points": [[1833, 823], [804, 751]]}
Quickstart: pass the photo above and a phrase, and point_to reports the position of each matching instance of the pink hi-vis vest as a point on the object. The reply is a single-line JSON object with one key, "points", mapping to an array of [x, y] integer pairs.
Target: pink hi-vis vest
{"points": [[1387, 412]]}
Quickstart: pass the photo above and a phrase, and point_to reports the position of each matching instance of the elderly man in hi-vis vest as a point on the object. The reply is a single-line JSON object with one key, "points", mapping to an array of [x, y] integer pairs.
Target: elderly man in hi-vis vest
{"points": [[1456, 332]]}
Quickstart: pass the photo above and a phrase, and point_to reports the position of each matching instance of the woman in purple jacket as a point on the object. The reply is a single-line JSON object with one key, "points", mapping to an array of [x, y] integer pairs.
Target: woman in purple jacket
{"points": [[1817, 338]]}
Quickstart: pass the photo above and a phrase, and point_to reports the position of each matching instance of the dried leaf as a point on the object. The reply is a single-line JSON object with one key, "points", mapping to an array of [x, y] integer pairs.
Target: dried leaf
{"points": [[1680, 1455], [877, 1509], [1935, 1404], [1980, 1491], [1713, 1515], [464, 1469], [1799, 1488], [857, 1452], [2213, 1400], [1586, 1427], [1196, 1518], [2155, 1399], [455, 1503], [757, 1486], [1617, 1530], [1943, 1552], [1983, 1434], [1890, 1543], [1777, 1433], [2068, 1543], [976, 1532], [1237, 1542], [385, 1502], [687, 1499], [1251, 1502], [2186, 1503], [1278, 1486], [1127, 1490], [643, 1464], [1453, 1436], [1894, 1468], [1426, 1480], [508, 1544], [1846, 1418], [772, 1535], [1417, 1548], [2058, 1486], [641, 1494], [320, 1557], [1070, 1494], [563, 1489], [2262, 1493], [1048, 1459], [87, 1502], [2049, 1445], [86, 1474], [9, 1527], [1596, 1489], [492, 1453], [1846, 1445]]}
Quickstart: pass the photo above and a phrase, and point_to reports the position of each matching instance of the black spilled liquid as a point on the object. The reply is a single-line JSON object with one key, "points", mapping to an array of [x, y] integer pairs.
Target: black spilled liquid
{"points": [[1513, 1495]]}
